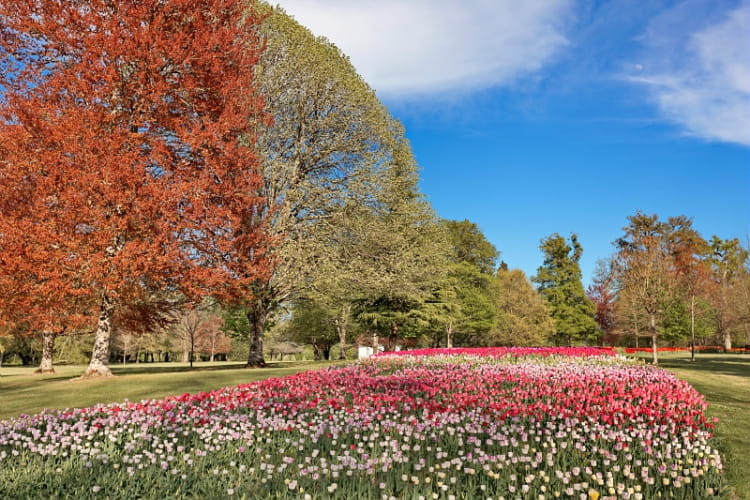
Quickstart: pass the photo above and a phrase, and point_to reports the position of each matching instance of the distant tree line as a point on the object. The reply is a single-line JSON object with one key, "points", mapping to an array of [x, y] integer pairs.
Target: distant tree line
{"points": [[666, 283]]}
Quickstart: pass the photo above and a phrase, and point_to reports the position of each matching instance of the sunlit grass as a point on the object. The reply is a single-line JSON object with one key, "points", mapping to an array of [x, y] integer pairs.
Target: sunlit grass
{"points": [[21, 391]]}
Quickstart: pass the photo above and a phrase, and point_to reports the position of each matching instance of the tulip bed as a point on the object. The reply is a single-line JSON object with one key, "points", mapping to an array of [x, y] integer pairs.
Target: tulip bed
{"points": [[450, 425]]}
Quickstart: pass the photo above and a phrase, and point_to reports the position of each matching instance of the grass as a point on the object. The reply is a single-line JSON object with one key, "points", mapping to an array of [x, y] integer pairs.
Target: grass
{"points": [[21, 391], [724, 379]]}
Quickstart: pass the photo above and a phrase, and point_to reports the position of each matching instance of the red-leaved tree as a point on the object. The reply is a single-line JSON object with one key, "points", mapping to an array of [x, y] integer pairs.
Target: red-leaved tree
{"points": [[603, 295], [126, 163]]}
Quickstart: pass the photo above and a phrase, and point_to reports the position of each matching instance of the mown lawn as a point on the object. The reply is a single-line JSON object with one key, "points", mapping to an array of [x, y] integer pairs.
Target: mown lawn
{"points": [[23, 392], [724, 379]]}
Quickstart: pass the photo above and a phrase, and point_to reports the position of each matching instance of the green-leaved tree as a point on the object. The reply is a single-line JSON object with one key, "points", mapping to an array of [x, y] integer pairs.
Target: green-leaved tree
{"points": [[523, 316]]}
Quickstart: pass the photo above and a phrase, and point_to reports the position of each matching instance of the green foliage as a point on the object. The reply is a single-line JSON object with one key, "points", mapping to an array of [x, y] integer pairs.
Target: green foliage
{"points": [[469, 310], [392, 315], [474, 292], [236, 324], [469, 245], [311, 323], [461, 306], [559, 282], [676, 323], [523, 317], [728, 257]]}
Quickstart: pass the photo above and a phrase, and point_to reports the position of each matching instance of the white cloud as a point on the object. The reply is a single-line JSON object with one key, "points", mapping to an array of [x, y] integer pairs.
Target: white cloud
{"points": [[412, 47], [707, 91]]}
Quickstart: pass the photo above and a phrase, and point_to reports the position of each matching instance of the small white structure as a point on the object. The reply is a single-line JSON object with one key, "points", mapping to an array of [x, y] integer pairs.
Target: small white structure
{"points": [[365, 351]]}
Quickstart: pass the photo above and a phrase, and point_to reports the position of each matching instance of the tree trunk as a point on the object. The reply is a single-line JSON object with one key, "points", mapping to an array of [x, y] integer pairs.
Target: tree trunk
{"points": [[692, 328], [375, 345], [185, 356], [256, 316], [341, 324], [48, 349], [652, 327], [99, 364], [637, 333], [342, 342], [192, 349], [449, 335], [727, 340], [392, 338]]}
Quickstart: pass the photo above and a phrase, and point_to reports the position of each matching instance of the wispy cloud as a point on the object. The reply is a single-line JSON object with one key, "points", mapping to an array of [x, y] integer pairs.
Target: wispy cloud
{"points": [[705, 88], [406, 48]]}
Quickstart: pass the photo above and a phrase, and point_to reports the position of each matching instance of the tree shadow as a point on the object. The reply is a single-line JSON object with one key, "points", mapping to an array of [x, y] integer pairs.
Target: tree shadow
{"points": [[161, 368], [736, 364]]}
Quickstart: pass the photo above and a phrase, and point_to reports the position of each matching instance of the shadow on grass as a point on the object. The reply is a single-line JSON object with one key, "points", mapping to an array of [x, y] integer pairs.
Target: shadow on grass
{"points": [[22, 380], [148, 368], [726, 364], [155, 368]]}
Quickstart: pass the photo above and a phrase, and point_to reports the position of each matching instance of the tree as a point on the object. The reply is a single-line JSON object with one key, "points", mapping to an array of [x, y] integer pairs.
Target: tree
{"points": [[121, 169], [655, 259], [468, 244], [212, 340], [692, 269], [728, 260], [461, 305], [332, 162], [36, 296], [559, 283], [523, 316], [401, 257], [466, 295], [196, 328], [602, 293], [694, 315], [630, 319], [331, 148], [312, 324], [643, 255]]}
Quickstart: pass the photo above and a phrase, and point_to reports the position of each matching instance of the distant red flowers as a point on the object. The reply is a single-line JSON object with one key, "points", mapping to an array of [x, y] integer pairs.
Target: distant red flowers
{"points": [[633, 350], [496, 352]]}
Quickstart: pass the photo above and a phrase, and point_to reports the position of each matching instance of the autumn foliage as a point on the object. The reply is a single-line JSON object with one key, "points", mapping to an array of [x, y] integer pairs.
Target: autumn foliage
{"points": [[126, 163]]}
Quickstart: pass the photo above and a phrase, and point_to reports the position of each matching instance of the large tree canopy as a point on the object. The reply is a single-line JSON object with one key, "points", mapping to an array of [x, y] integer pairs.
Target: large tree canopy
{"points": [[332, 159], [121, 170]]}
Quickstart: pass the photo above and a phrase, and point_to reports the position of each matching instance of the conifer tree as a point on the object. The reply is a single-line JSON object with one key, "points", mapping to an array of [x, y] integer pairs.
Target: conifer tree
{"points": [[559, 282]]}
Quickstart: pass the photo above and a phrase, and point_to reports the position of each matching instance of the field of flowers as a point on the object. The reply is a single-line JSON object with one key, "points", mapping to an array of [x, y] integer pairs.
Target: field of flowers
{"points": [[585, 425]]}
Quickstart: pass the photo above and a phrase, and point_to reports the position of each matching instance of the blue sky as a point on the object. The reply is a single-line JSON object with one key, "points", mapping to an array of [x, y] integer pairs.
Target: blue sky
{"points": [[564, 116]]}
